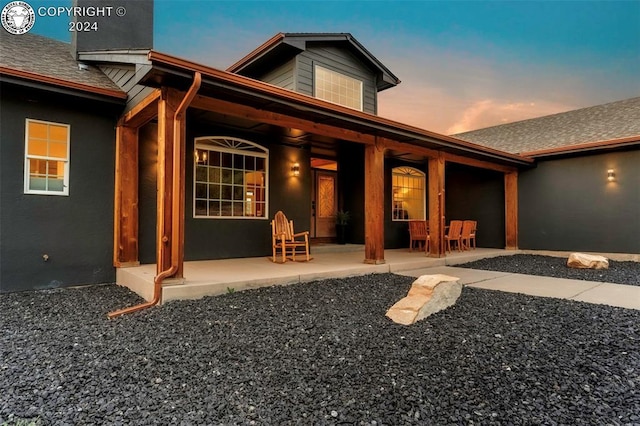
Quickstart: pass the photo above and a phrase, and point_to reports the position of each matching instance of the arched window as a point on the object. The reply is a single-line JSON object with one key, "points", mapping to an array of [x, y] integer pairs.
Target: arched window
{"points": [[408, 186], [230, 178]]}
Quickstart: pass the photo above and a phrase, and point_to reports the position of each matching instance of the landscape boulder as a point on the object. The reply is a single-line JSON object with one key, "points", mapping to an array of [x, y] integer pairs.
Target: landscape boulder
{"points": [[428, 294], [587, 261]]}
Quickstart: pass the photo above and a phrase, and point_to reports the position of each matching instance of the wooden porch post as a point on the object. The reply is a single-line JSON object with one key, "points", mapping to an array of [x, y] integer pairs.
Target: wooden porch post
{"points": [[511, 210], [167, 106], [125, 223], [374, 203], [436, 205], [182, 145]]}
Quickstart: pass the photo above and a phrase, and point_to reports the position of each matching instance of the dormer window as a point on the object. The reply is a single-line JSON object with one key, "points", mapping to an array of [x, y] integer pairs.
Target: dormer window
{"points": [[337, 88]]}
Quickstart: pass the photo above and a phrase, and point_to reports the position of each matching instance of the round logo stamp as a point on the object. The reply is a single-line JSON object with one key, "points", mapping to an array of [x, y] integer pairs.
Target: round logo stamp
{"points": [[18, 17]]}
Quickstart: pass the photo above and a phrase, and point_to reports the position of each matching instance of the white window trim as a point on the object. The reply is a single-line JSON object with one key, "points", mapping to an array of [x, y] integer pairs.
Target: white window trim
{"points": [[413, 172], [315, 86], [66, 161], [234, 146]]}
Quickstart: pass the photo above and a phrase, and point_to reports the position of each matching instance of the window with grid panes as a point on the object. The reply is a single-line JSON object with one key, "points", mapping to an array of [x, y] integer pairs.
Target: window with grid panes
{"points": [[46, 167], [408, 195], [230, 178], [337, 88]]}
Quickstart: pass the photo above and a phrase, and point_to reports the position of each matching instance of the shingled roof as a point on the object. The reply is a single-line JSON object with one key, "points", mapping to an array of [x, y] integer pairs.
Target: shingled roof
{"points": [[46, 57], [598, 123]]}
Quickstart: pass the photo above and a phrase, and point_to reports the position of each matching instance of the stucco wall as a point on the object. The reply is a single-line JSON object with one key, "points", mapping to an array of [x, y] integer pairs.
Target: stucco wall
{"points": [[568, 204], [211, 238], [477, 194], [351, 188], [74, 231], [471, 193]]}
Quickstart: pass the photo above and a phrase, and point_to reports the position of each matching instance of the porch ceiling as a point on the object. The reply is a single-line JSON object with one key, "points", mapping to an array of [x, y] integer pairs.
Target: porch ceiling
{"points": [[257, 106], [317, 143]]}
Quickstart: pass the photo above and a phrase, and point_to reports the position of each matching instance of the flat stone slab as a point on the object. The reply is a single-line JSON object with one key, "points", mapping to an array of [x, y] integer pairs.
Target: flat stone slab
{"points": [[428, 294]]}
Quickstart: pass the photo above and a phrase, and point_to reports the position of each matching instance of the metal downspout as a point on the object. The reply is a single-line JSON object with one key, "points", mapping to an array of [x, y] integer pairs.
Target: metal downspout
{"points": [[176, 201]]}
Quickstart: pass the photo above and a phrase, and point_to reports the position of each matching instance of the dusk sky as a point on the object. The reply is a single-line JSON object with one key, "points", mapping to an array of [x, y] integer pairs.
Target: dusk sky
{"points": [[463, 65]]}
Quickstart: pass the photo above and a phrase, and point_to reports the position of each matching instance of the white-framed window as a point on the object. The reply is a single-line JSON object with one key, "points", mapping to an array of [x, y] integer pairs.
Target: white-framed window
{"points": [[337, 88], [409, 193], [46, 163], [230, 178]]}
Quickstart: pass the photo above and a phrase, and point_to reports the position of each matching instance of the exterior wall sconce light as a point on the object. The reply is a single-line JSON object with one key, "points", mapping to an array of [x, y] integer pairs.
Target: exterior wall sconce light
{"points": [[611, 175], [295, 169]]}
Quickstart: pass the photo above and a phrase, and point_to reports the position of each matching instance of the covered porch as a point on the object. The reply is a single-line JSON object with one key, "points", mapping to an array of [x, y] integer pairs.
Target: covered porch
{"points": [[215, 277], [184, 91]]}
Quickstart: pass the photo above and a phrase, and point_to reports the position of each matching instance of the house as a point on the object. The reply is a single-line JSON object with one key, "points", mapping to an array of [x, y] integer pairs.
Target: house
{"points": [[170, 160]]}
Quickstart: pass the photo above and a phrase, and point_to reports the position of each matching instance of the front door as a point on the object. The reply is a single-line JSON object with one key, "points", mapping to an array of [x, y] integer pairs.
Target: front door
{"points": [[324, 204]]}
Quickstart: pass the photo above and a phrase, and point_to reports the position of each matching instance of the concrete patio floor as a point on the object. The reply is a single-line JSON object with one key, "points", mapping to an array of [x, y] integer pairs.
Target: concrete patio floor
{"points": [[214, 277], [624, 296]]}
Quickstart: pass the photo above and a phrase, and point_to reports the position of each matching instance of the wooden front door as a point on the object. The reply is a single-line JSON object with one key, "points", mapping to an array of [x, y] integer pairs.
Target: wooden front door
{"points": [[324, 204]]}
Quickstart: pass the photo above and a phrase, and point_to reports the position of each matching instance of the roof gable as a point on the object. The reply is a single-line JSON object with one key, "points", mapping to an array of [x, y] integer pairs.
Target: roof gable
{"points": [[284, 46]]}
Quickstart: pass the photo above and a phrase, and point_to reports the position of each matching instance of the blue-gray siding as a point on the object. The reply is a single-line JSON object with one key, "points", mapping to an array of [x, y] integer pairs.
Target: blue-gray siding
{"points": [[282, 76], [339, 60], [127, 78]]}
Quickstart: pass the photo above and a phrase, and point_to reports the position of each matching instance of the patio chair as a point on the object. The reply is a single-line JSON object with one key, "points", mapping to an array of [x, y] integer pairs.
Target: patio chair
{"points": [[418, 232], [454, 234], [472, 234], [465, 236], [283, 238]]}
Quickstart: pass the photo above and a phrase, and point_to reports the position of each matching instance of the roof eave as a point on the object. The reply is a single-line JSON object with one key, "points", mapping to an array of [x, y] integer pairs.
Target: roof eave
{"points": [[604, 145], [53, 81], [374, 123], [257, 53]]}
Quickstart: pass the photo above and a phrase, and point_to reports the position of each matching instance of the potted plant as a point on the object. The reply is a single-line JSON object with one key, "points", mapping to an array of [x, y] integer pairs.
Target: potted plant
{"points": [[342, 220]]}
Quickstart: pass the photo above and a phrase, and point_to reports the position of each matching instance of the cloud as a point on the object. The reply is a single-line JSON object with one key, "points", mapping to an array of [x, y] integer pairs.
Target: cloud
{"points": [[490, 112], [451, 91]]}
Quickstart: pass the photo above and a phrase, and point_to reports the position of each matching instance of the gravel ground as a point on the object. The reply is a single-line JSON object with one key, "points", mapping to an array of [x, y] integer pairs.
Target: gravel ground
{"points": [[316, 353], [549, 266]]}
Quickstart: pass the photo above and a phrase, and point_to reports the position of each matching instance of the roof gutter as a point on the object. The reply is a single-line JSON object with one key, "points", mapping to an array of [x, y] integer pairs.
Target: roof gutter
{"points": [[175, 200], [585, 147], [112, 93]]}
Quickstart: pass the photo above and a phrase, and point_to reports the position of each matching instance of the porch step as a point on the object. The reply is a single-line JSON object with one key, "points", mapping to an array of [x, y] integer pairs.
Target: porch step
{"points": [[336, 248]]}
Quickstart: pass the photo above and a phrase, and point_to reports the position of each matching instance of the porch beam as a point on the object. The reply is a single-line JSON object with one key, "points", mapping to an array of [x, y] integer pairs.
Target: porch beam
{"points": [[145, 111], [453, 158], [511, 210], [374, 203], [167, 106], [125, 232], [460, 159], [410, 149], [436, 205], [281, 120]]}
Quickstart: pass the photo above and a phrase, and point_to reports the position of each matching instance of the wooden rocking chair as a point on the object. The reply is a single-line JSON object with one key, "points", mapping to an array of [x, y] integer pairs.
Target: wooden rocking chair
{"points": [[283, 238]]}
